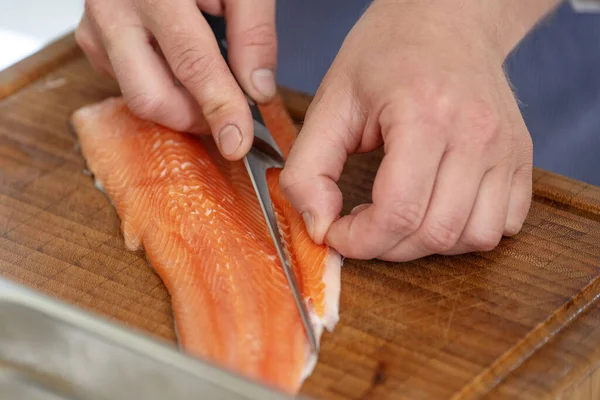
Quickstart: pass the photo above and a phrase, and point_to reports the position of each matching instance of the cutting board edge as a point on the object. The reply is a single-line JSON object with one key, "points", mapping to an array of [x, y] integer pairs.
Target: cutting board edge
{"points": [[45, 61]]}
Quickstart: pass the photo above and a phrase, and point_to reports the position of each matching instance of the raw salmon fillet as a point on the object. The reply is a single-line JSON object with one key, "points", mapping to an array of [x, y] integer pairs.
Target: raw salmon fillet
{"points": [[198, 219]]}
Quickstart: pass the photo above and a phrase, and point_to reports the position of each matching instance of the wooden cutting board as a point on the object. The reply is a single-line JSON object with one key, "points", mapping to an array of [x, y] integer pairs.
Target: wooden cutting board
{"points": [[522, 321]]}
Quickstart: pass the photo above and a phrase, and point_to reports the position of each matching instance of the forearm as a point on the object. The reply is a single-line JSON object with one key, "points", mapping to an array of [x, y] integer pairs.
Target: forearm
{"points": [[502, 23]]}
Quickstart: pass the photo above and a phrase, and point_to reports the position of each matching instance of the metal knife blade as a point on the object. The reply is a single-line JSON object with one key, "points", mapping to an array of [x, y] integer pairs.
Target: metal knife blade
{"points": [[263, 155], [257, 162]]}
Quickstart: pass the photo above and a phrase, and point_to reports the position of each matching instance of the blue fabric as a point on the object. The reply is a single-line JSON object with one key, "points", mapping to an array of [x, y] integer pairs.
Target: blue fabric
{"points": [[555, 71], [556, 74], [310, 33]]}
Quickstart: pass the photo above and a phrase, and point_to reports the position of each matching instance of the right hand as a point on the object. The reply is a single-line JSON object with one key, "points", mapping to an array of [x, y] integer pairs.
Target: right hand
{"points": [[149, 45], [423, 80]]}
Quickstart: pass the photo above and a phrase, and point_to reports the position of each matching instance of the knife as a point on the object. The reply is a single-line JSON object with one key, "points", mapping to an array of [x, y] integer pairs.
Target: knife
{"points": [[263, 155]]}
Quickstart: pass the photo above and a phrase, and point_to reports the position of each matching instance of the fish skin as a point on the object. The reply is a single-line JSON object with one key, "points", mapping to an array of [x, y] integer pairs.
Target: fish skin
{"points": [[198, 219]]}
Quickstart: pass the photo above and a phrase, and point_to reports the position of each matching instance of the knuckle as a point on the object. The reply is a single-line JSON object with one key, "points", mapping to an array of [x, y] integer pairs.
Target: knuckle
{"points": [[482, 240], [482, 122], [145, 106], [216, 108], [435, 101], [259, 35], [402, 218], [192, 66], [440, 236], [482, 116], [441, 110]]}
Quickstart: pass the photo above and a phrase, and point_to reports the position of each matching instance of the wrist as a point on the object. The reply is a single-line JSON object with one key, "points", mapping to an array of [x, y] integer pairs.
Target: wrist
{"points": [[501, 23], [507, 22]]}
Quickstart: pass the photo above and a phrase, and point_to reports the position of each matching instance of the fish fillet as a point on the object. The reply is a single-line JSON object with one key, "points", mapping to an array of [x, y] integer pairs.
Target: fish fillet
{"points": [[200, 224]]}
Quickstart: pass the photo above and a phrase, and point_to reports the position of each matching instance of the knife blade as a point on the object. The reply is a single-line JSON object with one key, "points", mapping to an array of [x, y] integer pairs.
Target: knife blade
{"points": [[263, 155]]}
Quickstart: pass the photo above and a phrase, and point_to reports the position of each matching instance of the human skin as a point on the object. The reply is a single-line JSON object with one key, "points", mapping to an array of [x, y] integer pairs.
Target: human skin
{"points": [[149, 45], [422, 79], [425, 80]]}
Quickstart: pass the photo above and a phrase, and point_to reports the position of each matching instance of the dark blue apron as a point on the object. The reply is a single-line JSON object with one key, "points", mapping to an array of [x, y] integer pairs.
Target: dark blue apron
{"points": [[555, 71]]}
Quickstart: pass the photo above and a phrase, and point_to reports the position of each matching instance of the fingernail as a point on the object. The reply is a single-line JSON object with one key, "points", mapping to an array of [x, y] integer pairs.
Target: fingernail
{"points": [[230, 139], [309, 222], [264, 82], [359, 208]]}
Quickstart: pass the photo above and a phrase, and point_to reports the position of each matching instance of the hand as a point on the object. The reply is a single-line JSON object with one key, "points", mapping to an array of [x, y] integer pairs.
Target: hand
{"points": [[148, 45], [425, 80]]}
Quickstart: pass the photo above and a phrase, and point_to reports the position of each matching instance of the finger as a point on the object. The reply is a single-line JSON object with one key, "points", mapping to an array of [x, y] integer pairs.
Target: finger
{"points": [[401, 194], [315, 163], [191, 50], [146, 82], [453, 199], [520, 199], [89, 41], [253, 46], [149, 87], [521, 186], [484, 229]]}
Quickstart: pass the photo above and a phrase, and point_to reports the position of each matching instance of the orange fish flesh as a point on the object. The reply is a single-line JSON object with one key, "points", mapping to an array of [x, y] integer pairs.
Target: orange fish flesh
{"points": [[199, 222]]}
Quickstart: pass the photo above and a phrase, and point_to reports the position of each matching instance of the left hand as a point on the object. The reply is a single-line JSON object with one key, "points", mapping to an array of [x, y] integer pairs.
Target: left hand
{"points": [[424, 79]]}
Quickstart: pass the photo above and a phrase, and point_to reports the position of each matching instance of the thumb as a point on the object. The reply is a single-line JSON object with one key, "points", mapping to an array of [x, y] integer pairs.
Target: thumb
{"points": [[253, 46], [316, 161]]}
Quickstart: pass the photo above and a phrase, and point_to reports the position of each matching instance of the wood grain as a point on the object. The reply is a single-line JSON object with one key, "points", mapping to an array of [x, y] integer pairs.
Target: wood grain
{"points": [[31, 68], [522, 321]]}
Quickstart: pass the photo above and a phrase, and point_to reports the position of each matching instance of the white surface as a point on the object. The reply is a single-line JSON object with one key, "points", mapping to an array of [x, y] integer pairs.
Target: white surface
{"points": [[27, 25], [15, 46], [586, 5]]}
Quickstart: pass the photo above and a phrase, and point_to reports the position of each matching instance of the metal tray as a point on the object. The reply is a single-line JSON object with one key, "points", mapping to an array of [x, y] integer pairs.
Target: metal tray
{"points": [[52, 350]]}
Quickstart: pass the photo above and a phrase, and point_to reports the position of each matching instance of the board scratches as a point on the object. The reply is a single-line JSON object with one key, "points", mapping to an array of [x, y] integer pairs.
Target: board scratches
{"points": [[522, 321]]}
